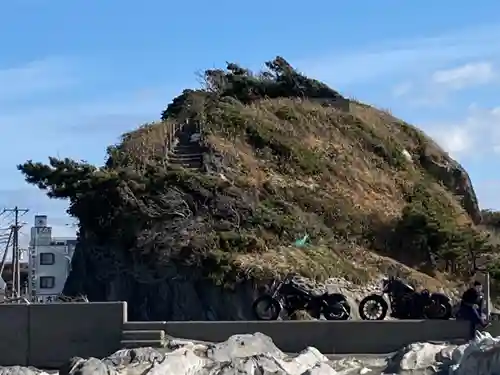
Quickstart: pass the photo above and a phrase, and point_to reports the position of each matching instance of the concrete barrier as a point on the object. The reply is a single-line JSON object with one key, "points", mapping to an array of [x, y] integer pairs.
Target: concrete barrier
{"points": [[494, 328], [60, 331], [372, 337], [47, 335], [14, 335]]}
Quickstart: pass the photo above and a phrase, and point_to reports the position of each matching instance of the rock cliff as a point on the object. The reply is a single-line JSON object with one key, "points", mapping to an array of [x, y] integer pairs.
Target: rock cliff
{"points": [[192, 214]]}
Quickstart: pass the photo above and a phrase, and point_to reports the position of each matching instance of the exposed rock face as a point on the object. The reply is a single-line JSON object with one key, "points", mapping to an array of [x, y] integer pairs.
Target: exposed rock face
{"points": [[179, 294], [457, 180]]}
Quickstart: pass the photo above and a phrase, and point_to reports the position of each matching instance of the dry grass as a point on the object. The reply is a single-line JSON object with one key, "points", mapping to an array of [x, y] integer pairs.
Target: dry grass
{"points": [[316, 262], [341, 171], [351, 171]]}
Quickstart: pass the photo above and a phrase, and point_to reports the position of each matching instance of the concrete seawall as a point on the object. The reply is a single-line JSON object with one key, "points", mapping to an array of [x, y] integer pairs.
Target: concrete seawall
{"points": [[47, 335], [342, 337]]}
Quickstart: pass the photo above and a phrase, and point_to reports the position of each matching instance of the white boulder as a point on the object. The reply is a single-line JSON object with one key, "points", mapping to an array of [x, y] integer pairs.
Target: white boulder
{"points": [[480, 356], [418, 358], [407, 155], [252, 354]]}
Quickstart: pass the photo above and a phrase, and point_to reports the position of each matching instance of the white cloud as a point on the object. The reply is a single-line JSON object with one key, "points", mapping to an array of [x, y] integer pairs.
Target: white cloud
{"points": [[72, 115], [464, 76], [36, 77], [402, 89], [455, 140], [475, 136], [434, 89], [399, 58]]}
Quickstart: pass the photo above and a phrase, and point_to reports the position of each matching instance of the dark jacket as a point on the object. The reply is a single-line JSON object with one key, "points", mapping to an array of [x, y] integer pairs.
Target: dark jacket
{"points": [[472, 297]]}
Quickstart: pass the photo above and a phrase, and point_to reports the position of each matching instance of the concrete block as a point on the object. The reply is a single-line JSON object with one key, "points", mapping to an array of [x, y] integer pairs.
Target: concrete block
{"points": [[14, 337], [494, 328], [144, 335], [142, 326], [132, 344], [60, 331], [370, 337]]}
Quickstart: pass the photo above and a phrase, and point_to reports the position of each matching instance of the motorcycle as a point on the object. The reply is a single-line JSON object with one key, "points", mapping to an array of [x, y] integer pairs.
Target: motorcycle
{"points": [[405, 303], [289, 296]]}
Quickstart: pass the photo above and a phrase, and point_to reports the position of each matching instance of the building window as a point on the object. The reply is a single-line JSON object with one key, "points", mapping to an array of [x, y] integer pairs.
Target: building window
{"points": [[47, 259], [47, 282]]}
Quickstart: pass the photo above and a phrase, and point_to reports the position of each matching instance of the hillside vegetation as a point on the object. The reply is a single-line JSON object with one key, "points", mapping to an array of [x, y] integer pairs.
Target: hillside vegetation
{"points": [[283, 156]]}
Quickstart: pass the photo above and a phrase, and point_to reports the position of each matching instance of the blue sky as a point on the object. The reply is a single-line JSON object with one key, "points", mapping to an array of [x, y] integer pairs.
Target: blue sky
{"points": [[74, 75]]}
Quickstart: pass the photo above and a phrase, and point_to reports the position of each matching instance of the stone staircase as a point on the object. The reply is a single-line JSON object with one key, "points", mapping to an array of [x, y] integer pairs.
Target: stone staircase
{"points": [[187, 152], [142, 334]]}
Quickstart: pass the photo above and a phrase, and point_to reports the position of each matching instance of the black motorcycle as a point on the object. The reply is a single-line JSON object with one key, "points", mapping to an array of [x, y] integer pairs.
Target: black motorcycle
{"points": [[405, 302], [291, 296]]}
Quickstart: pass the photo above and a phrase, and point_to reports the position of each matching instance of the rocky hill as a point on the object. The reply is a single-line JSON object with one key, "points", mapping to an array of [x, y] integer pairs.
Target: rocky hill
{"points": [[192, 213]]}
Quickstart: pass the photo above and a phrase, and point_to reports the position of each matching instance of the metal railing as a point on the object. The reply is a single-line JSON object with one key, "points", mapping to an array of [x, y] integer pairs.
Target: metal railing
{"points": [[15, 300], [173, 129], [172, 134]]}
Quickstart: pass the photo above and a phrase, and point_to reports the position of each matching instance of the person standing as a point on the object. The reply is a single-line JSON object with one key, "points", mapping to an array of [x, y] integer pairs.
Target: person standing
{"points": [[471, 307]]}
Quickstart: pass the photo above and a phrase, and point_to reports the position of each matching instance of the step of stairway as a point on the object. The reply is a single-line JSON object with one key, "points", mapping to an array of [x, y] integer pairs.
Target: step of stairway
{"points": [[184, 156], [185, 160], [191, 167], [190, 164], [143, 335], [132, 344], [189, 145], [144, 326]]}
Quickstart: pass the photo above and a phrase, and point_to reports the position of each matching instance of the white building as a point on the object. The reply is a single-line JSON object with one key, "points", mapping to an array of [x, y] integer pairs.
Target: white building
{"points": [[50, 261]]}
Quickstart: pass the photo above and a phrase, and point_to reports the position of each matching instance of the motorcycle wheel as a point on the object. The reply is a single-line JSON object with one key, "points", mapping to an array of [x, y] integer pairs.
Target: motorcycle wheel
{"points": [[372, 303], [336, 308], [266, 304], [440, 307]]}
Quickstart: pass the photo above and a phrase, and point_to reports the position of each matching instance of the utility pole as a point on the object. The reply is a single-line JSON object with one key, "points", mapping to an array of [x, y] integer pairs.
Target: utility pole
{"points": [[2, 265], [16, 256], [4, 258]]}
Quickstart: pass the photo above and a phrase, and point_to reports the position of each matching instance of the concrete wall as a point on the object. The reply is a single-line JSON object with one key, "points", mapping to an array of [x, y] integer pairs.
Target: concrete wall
{"points": [[494, 328], [47, 335], [328, 337], [75, 329], [14, 334]]}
